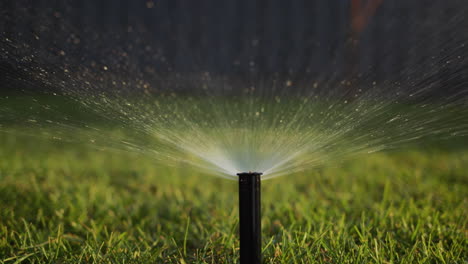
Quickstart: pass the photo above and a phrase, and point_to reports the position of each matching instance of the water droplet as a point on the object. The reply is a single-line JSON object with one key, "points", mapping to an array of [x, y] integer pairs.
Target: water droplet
{"points": [[149, 4]]}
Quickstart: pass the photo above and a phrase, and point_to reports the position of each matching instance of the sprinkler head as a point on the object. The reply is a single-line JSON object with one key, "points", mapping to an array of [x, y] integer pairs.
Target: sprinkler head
{"points": [[249, 218], [250, 173]]}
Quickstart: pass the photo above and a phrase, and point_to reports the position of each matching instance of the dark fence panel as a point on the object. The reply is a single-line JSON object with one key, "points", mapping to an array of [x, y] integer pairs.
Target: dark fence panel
{"points": [[301, 38]]}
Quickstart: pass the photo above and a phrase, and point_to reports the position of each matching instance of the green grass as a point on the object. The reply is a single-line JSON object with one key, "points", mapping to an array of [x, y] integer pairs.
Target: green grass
{"points": [[65, 203]]}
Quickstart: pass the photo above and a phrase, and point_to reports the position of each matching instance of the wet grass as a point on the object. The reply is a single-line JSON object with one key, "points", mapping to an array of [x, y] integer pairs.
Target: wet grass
{"points": [[66, 203]]}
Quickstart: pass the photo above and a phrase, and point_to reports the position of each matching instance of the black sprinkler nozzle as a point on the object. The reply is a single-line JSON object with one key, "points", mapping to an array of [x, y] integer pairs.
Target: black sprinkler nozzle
{"points": [[249, 215]]}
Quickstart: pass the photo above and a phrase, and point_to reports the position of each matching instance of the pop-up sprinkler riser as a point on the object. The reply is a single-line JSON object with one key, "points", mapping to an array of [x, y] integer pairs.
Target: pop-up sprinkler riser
{"points": [[249, 215]]}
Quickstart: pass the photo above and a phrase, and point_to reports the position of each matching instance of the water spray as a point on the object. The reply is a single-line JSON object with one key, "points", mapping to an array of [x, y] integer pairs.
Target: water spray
{"points": [[249, 215]]}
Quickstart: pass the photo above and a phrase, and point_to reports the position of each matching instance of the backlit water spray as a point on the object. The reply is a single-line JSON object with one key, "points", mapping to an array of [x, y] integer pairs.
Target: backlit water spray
{"points": [[233, 102]]}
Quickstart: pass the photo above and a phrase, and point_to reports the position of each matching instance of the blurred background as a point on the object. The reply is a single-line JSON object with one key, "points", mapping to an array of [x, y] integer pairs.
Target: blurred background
{"points": [[354, 41]]}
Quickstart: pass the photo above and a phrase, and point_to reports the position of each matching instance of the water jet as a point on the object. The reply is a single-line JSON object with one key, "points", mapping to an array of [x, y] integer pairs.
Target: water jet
{"points": [[249, 217]]}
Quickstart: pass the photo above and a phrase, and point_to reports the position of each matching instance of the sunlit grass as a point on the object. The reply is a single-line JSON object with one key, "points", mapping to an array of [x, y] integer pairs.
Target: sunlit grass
{"points": [[66, 203]]}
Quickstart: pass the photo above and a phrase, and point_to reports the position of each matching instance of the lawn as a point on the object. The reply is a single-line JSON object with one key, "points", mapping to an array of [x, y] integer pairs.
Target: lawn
{"points": [[67, 203]]}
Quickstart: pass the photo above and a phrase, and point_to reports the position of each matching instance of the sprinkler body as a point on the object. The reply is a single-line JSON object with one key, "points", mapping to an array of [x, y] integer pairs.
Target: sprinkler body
{"points": [[249, 215]]}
